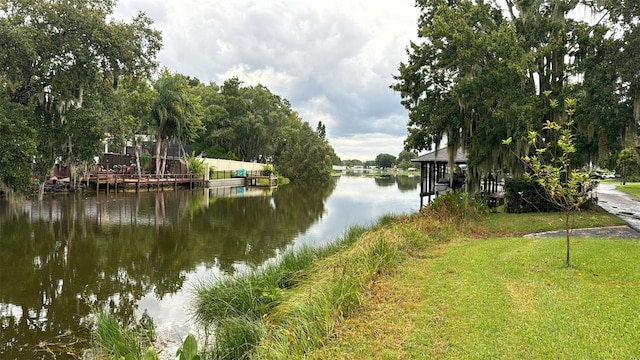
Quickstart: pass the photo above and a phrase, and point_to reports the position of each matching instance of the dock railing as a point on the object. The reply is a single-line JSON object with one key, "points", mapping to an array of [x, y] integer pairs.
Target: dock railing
{"points": [[122, 180]]}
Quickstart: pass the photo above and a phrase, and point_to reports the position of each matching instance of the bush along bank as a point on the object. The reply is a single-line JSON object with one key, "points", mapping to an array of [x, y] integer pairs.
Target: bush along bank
{"points": [[287, 308]]}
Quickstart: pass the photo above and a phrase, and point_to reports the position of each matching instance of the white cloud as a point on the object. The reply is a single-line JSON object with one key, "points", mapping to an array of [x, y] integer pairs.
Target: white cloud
{"points": [[333, 60], [367, 146]]}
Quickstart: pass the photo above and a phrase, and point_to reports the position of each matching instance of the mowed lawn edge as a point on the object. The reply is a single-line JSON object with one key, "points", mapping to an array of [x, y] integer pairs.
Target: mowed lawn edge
{"points": [[503, 297]]}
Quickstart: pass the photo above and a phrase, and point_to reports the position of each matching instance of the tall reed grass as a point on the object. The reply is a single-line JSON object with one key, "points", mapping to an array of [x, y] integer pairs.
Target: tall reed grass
{"points": [[335, 288], [114, 338], [236, 307], [287, 307]]}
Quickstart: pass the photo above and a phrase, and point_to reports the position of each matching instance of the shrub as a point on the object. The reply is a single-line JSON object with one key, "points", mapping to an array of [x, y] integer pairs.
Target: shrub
{"points": [[267, 170], [456, 205], [525, 195], [195, 165]]}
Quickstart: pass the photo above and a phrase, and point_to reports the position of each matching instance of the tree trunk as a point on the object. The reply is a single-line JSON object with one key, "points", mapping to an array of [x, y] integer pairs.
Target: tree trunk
{"points": [[41, 191], [567, 229], [73, 175], [158, 143], [138, 161], [86, 173], [165, 150]]}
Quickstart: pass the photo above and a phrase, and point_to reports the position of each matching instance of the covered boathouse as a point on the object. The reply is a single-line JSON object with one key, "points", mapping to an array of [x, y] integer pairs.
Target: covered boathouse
{"points": [[434, 174], [434, 168]]}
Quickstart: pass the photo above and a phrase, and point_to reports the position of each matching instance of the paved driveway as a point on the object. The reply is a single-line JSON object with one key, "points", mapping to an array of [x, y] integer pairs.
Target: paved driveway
{"points": [[622, 205]]}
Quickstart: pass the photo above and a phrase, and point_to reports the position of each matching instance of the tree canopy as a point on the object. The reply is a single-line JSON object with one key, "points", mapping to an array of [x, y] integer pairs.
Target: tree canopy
{"points": [[64, 60], [385, 160], [73, 78], [479, 73]]}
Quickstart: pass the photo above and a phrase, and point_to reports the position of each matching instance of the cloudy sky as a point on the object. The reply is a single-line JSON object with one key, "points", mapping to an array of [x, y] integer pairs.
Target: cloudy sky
{"points": [[332, 59]]}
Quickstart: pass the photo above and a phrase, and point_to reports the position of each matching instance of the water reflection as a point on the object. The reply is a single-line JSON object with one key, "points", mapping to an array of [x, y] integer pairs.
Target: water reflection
{"points": [[61, 258]]}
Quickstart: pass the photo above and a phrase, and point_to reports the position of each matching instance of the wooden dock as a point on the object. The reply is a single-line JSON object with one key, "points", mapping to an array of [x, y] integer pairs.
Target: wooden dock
{"points": [[120, 182], [248, 181], [117, 181], [268, 181]]}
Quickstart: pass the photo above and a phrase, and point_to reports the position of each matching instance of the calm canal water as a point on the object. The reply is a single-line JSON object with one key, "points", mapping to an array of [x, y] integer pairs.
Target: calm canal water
{"points": [[68, 255]]}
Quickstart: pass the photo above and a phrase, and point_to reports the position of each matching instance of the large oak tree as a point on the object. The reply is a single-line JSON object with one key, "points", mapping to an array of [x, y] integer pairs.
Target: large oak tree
{"points": [[479, 73], [66, 58]]}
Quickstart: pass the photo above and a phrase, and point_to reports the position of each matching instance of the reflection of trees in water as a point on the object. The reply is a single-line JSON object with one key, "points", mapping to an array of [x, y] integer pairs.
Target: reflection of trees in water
{"points": [[385, 180], [252, 229], [406, 183], [46, 268], [57, 264], [53, 272]]}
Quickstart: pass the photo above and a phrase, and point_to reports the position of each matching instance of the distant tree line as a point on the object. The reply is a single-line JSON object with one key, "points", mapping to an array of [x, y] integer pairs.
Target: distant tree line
{"points": [[384, 160], [72, 78]]}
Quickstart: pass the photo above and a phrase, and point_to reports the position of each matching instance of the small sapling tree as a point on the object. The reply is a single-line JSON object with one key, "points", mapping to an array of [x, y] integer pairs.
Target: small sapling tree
{"points": [[549, 164]]}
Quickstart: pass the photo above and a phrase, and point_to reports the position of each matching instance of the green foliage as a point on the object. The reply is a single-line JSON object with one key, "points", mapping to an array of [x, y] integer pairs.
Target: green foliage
{"points": [[521, 285], [150, 354], [145, 161], [247, 123], [385, 160], [335, 290], [67, 61], [466, 80], [479, 72], [147, 326], [175, 112], [115, 338], [267, 170], [550, 166], [407, 155], [236, 337], [252, 124], [523, 195], [40, 34], [124, 341], [456, 206], [238, 306], [189, 349], [352, 162], [628, 162], [404, 159], [17, 147], [195, 165], [305, 157], [253, 294]]}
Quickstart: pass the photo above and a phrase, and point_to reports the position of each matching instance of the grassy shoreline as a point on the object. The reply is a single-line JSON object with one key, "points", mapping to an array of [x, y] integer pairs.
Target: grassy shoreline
{"points": [[500, 296], [324, 304]]}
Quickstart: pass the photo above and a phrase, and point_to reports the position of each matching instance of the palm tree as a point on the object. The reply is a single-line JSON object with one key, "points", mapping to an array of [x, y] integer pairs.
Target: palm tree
{"points": [[173, 113]]}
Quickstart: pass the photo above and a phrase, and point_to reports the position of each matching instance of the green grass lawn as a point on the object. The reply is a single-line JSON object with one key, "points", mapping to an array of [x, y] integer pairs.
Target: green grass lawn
{"points": [[503, 298], [630, 188], [513, 298], [520, 224]]}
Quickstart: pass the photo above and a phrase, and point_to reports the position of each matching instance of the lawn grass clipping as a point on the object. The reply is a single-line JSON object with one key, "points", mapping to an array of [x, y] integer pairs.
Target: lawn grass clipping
{"points": [[502, 297]]}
